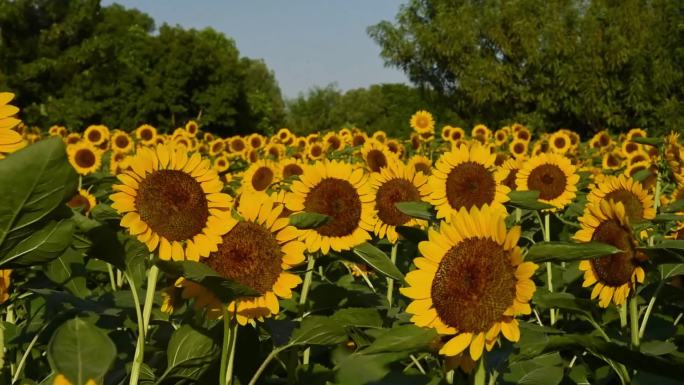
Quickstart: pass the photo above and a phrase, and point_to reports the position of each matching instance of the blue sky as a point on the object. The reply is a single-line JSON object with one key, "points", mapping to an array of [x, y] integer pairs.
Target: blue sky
{"points": [[305, 42]]}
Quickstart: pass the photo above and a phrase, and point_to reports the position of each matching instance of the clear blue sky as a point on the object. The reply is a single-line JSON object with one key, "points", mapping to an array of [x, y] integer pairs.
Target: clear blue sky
{"points": [[305, 42]]}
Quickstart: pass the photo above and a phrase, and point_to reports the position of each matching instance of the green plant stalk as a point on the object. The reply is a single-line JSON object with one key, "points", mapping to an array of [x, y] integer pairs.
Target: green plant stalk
{"points": [[518, 215], [140, 344], [228, 348], [264, 364], [149, 296], [305, 294], [634, 319], [549, 271], [647, 314], [480, 373], [623, 316], [24, 357], [390, 281], [112, 279]]}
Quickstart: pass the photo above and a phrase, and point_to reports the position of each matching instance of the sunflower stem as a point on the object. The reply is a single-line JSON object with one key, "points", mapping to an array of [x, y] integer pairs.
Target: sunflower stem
{"points": [[305, 294], [642, 329], [623, 316], [228, 349], [390, 281], [634, 318], [518, 216], [549, 271], [264, 364], [140, 344], [112, 279], [480, 373], [149, 296]]}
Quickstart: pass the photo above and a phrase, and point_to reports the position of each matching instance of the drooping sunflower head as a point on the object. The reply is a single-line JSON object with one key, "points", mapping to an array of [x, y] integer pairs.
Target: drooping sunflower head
{"points": [[192, 128], [84, 157], [340, 191], [96, 134], [636, 201], [613, 275], [471, 282], [146, 134], [173, 203], [83, 200], [376, 155], [256, 252], [260, 176], [393, 184], [466, 177], [121, 142], [553, 175], [422, 122]]}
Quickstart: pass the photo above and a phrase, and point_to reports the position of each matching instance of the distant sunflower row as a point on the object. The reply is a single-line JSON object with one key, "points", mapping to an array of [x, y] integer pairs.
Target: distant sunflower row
{"points": [[190, 195]]}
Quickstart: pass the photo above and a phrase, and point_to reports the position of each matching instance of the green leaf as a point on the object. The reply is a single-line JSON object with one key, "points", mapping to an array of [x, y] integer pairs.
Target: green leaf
{"points": [[103, 212], [42, 246], [34, 181], [223, 288], [565, 301], [378, 260], [528, 200], [371, 369], [69, 271], [656, 142], [657, 348], [420, 210], [669, 251], [568, 251], [358, 317], [670, 270], [318, 330], [549, 375], [308, 220], [668, 218], [80, 351], [412, 234], [189, 350], [674, 207], [640, 176], [405, 338]]}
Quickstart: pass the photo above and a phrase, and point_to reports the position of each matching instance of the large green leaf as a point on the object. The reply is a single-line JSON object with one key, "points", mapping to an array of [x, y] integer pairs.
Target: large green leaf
{"points": [[318, 330], [42, 246], [224, 289], [69, 271], [669, 251], [358, 317], [189, 352], [528, 200], [308, 220], [33, 182], [568, 251], [378, 260], [81, 351], [404, 338], [420, 210]]}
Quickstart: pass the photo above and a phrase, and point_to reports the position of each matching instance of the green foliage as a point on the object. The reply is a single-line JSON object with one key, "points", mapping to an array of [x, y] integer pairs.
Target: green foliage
{"points": [[78, 63], [574, 64]]}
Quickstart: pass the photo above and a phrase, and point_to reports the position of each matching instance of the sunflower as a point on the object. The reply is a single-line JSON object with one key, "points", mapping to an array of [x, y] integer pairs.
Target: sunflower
{"points": [[553, 175], [291, 167], [84, 157], [284, 135], [674, 153], [481, 133], [457, 133], [72, 138], [259, 176], [422, 122], [636, 133], [60, 379], [237, 144], [559, 142], [173, 203], [466, 177], [628, 148], [523, 134], [256, 252], [395, 147], [380, 136], [649, 181], [10, 140], [518, 148], [501, 136], [216, 147], [421, 163], [121, 142], [395, 183], [340, 191], [54, 131], [376, 155], [614, 275], [612, 160], [315, 151], [5, 284], [82, 200], [275, 151], [359, 139], [446, 132], [471, 281], [221, 164], [511, 168], [146, 134], [192, 128], [96, 134], [637, 202]]}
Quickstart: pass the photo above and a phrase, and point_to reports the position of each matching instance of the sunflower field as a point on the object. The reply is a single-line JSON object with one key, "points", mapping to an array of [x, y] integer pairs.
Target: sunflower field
{"points": [[454, 256]]}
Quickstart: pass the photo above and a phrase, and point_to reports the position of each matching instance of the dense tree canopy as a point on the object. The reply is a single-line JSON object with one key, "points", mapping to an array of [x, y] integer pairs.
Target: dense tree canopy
{"points": [[386, 107], [77, 63], [584, 65]]}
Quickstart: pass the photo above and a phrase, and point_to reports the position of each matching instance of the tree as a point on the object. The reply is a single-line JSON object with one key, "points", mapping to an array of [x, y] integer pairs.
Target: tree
{"points": [[585, 65]]}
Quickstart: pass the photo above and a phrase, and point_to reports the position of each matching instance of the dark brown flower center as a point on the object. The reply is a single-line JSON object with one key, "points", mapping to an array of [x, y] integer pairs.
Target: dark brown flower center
{"points": [[358, 140], [217, 147], [262, 178], [474, 285], [85, 158], [94, 136], [292, 169], [519, 148], [559, 142], [79, 201], [146, 134], [510, 179], [255, 142], [456, 135], [523, 135], [376, 160], [631, 147], [423, 167], [237, 145], [614, 270], [121, 141], [173, 204], [316, 151], [633, 207], [470, 184], [334, 142], [391, 192], [549, 180], [612, 160], [249, 255], [604, 140], [339, 200]]}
